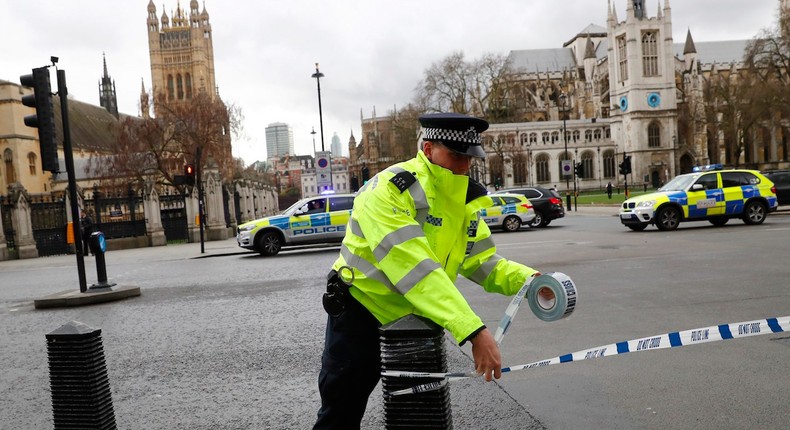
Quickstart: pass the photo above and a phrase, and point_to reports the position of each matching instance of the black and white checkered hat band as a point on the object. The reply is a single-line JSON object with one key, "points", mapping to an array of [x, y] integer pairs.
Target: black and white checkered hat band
{"points": [[470, 136]]}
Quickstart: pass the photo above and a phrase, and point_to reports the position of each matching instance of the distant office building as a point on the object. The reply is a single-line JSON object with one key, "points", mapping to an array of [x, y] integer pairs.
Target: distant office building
{"points": [[337, 147], [279, 140]]}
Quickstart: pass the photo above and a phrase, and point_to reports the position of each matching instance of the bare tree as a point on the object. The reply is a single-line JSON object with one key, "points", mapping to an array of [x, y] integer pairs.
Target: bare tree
{"points": [[158, 147], [445, 86], [734, 107], [485, 87], [493, 93]]}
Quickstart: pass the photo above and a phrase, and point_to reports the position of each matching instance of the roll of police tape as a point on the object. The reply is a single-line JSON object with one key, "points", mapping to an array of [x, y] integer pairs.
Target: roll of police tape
{"points": [[675, 339], [562, 288]]}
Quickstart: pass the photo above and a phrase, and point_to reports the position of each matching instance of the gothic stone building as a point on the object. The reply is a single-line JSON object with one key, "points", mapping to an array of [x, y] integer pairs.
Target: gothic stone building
{"points": [[619, 90], [623, 89]]}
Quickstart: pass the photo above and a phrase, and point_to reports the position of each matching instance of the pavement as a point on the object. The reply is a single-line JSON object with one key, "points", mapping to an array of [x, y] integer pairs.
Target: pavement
{"points": [[174, 375]]}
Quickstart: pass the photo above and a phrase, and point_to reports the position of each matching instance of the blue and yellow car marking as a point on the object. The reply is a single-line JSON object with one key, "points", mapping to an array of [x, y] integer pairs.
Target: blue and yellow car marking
{"points": [[700, 204]]}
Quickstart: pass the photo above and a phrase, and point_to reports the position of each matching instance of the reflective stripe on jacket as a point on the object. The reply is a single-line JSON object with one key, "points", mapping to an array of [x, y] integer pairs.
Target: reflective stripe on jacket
{"points": [[408, 246]]}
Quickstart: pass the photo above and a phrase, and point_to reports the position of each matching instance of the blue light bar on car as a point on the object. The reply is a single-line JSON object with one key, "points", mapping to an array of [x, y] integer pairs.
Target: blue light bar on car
{"points": [[707, 167]]}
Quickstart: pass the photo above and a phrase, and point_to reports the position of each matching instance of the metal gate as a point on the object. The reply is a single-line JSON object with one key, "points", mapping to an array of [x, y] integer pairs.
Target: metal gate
{"points": [[49, 222], [117, 214], [172, 209], [226, 206], [6, 207]]}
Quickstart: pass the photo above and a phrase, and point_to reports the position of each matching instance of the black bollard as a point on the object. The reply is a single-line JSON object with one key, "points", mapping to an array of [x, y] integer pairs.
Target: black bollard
{"points": [[99, 246], [81, 397], [416, 344]]}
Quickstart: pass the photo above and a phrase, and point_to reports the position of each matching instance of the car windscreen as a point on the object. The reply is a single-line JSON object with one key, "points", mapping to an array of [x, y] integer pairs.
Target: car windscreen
{"points": [[679, 183], [292, 208]]}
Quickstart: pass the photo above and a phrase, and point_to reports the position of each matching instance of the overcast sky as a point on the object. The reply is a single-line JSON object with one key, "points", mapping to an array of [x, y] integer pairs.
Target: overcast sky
{"points": [[372, 52]]}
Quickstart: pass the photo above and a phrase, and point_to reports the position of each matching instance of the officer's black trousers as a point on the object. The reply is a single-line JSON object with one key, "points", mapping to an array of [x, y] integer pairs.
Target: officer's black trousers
{"points": [[350, 367]]}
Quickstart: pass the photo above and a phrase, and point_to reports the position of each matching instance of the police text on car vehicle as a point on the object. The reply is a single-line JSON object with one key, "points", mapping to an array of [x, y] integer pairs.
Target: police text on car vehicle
{"points": [[312, 220]]}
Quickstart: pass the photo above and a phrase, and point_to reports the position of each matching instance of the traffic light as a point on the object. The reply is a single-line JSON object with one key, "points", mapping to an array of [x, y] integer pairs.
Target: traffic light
{"points": [[44, 118], [189, 174], [625, 166], [579, 169]]}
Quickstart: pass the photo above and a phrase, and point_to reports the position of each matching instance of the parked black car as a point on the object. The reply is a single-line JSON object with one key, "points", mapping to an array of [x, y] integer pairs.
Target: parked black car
{"points": [[781, 180], [547, 203]]}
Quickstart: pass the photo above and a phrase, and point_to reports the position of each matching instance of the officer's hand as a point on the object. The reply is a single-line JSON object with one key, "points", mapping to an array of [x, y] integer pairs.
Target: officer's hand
{"points": [[485, 352], [545, 294]]}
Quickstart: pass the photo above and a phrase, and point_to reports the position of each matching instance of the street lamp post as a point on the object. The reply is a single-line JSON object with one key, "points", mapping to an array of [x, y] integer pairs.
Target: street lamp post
{"points": [[313, 133], [563, 101], [576, 187], [318, 75]]}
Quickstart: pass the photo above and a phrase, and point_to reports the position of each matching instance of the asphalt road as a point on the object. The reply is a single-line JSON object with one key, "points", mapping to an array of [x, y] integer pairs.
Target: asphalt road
{"points": [[234, 340]]}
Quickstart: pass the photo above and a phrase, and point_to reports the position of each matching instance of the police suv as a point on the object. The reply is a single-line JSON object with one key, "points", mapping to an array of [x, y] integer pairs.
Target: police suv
{"points": [[510, 212], [709, 193], [318, 219]]}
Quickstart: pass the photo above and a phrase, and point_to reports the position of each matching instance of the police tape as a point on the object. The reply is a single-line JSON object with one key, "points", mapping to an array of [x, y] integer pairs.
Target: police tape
{"points": [[662, 341], [563, 291]]}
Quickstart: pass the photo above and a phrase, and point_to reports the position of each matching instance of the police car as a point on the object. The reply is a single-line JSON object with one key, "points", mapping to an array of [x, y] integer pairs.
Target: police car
{"points": [[318, 219], [510, 212], [709, 193]]}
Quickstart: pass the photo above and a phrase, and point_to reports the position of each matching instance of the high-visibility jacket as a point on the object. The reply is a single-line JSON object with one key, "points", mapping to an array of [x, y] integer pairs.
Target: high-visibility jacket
{"points": [[414, 228]]}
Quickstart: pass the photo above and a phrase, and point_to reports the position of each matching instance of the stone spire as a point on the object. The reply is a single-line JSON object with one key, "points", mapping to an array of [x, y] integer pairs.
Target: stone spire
{"points": [[144, 108], [107, 98], [689, 47]]}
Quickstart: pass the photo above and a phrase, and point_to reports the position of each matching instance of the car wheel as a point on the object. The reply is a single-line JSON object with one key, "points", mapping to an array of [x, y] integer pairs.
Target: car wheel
{"points": [[754, 213], [668, 218], [269, 244], [539, 220], [718, 222], [511, 223], [637, 227]]}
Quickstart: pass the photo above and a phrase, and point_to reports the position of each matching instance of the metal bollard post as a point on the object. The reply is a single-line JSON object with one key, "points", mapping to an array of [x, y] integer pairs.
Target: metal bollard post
{"points": [[99, 246], [414, 343], [81, 395]]}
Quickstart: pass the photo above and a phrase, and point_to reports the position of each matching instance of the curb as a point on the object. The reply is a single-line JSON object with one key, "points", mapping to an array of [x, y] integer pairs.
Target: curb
{"points": [[71, 298]]}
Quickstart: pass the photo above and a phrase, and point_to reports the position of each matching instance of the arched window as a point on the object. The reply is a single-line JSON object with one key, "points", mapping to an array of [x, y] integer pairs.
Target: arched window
{"points": [[31, 161], [608, 164], [542, 173], [649, 54], [597, 134], [622, 57], [170, 87], [497, 169], [10, 173], [533, 138], [189, 85], [654, 135], [519, 161], [555, 136], [576, 135], [588, 163], [180, 86], [588, 135], [488, 142], [545, 137]]}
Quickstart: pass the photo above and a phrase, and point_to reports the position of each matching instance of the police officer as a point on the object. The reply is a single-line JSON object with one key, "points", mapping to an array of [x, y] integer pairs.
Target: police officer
{"points": [[86, 225], [414, 227]]}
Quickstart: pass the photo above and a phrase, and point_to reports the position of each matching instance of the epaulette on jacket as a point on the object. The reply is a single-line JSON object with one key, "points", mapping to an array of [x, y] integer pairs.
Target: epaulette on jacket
{"points": [[403, 180]]}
